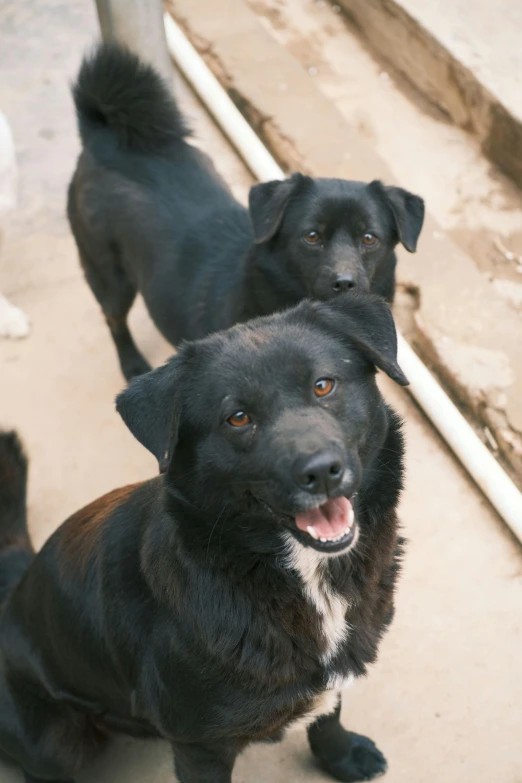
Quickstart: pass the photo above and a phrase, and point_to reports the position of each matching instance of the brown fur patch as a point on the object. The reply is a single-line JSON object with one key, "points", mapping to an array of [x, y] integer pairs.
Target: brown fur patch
{"points": [[259, 337], [256, 339], [15, 541], [81, 532]]}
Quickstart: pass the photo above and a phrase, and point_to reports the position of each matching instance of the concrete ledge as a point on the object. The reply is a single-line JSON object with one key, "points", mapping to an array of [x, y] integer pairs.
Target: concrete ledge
{"points": [[453, 315], [464, 57]]}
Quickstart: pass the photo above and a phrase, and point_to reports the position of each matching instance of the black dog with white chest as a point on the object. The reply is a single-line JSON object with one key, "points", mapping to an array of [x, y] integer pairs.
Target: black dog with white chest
{"points": [[150, 214], [231, 597]]}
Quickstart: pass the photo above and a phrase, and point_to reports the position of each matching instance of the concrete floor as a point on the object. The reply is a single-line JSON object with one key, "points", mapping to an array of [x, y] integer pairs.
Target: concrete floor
{"points": [[445, 699]]}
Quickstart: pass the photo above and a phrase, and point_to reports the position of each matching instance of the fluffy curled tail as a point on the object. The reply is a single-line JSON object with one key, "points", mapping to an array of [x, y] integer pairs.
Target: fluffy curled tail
{"points": [[15, 547], [117, 93]]}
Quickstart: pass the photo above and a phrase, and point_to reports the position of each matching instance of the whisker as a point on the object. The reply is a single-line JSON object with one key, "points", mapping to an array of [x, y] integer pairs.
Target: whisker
{"points": [[214, 527]]}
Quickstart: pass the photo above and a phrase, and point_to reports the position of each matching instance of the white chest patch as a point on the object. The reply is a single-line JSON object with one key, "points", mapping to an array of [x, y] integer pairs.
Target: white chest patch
{"points": [[330, 606], [340, 682], [323, 704]]}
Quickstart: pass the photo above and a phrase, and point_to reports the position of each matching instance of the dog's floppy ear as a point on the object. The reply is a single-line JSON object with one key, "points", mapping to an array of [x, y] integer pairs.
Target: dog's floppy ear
{"points": [[366, 321], [150, 406], [267, 203], [408, 213]]}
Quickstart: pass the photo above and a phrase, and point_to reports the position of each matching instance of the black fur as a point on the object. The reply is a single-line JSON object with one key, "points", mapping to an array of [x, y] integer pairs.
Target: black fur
{"points": [[173, 608], [149, 213], [15, 550], [118, 93]]}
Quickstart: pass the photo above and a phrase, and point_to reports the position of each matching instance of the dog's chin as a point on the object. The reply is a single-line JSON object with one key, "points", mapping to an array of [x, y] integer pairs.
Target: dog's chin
{"points": [[328, 526]]}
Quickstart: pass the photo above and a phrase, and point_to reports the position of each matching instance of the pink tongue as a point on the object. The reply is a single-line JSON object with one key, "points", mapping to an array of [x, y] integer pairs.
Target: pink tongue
{"points": [[328, 520]]}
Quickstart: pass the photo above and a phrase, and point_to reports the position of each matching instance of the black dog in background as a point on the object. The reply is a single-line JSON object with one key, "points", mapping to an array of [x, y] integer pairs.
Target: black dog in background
{"points": [[232, 597], [149, 213]]}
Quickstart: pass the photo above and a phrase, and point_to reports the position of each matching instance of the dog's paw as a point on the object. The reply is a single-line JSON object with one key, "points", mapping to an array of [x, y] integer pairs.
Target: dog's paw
{"points": [[13, 321], [363, 761]]}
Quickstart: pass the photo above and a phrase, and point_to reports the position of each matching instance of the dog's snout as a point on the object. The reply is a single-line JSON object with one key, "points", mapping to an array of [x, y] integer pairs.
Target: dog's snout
{"points": [[321, 473], [344, 283]]}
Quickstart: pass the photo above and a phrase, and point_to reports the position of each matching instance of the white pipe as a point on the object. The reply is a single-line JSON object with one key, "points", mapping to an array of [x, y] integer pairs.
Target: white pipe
{"points": [[227, 115], [465, 443], [447, 419]]}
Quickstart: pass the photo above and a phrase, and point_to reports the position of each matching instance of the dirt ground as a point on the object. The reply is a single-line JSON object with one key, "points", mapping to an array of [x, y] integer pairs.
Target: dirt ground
{"points": [[444, 701]]}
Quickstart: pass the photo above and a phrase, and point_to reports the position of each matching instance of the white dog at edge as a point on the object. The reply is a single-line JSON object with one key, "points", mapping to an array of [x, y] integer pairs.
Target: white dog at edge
{"points": [[13, 321]]}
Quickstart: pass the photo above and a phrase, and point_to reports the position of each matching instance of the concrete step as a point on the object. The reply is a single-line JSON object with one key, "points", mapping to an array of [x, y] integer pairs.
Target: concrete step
{"points": [[463, 56], [452, 314]]}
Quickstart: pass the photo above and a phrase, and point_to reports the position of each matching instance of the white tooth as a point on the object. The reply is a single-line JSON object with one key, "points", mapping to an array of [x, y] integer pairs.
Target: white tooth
{"points": [[323, 540], [311, 532], [351, 518]]}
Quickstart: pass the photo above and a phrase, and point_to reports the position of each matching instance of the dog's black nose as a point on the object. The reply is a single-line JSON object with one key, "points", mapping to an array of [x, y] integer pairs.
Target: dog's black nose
{"points": [[344, 283], [321, 473]]}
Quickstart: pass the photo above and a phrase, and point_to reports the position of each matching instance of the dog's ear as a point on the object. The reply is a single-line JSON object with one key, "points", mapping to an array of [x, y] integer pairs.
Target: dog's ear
{"points": [[150, 406], [366, 321], [408, 213], [267, 203]]}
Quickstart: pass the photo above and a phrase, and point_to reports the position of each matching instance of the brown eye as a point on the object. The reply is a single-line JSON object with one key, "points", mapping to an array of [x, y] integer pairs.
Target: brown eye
{"points": [[312, 237], [370, 240], [323, 386], [239, 419]]}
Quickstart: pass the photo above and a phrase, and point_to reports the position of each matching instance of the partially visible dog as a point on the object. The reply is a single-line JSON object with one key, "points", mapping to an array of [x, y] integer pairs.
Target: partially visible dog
{"points": [[149, 213], [233, 596], [13, 321]]}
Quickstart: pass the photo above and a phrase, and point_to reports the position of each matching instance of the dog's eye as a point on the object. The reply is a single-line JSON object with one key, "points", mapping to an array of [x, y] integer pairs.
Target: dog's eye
{"points": [[370, 240], [239, 419], [312, 237], [323, 386]]}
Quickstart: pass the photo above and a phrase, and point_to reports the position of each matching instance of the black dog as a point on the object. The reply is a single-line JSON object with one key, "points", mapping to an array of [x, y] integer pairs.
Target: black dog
{"points": [[231, 597], [150, 214]]}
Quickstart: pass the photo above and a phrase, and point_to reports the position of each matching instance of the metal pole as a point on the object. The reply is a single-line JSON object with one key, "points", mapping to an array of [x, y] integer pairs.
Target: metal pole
{"points": [[139, 25]]}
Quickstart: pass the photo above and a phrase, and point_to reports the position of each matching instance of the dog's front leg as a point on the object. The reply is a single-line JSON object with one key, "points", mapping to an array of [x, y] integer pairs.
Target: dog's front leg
{"points": [[344, 755], [204, 763]]}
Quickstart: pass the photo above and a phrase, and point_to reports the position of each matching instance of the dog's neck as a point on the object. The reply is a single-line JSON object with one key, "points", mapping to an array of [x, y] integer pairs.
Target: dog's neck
{"points": [[265, 288], [304, 609]]}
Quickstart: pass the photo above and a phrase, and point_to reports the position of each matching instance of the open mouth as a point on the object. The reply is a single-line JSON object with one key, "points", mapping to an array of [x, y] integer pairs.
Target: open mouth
{"points": [[330, 527]]}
